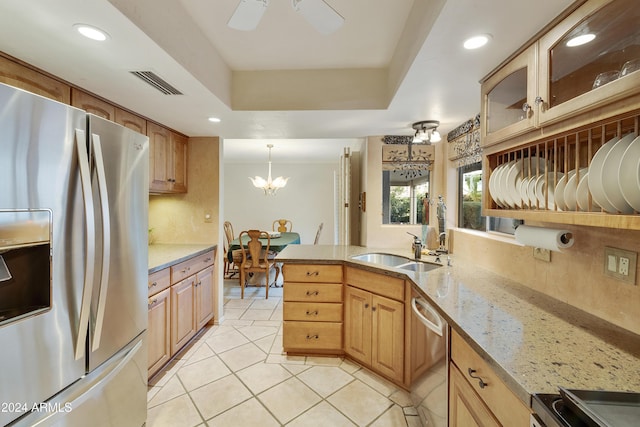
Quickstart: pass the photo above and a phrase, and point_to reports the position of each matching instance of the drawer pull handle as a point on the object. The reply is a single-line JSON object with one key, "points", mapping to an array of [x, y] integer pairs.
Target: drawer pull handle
{"points": [[481, 383], [312, 313], [313, 273], [207, 260], [313, 337], [185, 270], [312, 293], [154, 284], [154, 302]]}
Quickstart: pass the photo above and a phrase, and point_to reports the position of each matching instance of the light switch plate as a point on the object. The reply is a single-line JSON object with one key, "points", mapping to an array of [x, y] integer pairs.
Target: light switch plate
{"points": [[620, 264]]}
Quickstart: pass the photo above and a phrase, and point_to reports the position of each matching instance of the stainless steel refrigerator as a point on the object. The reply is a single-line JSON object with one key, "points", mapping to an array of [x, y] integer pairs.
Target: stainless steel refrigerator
{"points": [[73, 266]]}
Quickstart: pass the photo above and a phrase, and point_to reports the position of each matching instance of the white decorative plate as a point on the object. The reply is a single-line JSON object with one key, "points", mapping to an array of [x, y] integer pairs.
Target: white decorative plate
{"points": [[541, 186], [558, 194], [493, 185], [629, 176], [582, 195], [513, 175], [524, 194], [570, 196], [595, 175], [502, 184], [610, 169]]}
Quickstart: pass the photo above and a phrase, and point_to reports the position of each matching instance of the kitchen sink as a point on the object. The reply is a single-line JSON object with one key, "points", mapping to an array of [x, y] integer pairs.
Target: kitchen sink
{"points": [[419, 266], [388, 260]]}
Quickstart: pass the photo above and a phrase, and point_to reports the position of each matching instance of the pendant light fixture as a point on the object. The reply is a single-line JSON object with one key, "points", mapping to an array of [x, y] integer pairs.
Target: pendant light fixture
{"points": [[426, 132], [269, 186]]}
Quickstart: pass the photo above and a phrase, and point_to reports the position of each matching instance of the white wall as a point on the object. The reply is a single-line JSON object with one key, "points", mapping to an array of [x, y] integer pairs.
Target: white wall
{"points": [[307, 200]]}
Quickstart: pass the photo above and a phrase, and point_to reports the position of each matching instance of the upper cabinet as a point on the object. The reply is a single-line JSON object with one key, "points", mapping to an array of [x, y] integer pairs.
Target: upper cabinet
{"points": [[131, 121], [578, 70], [167, 160], [22, 77], [93, 105]]}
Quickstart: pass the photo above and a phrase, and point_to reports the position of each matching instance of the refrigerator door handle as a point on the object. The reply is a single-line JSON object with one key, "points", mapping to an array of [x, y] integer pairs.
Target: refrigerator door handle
{"points": [[106, 239], [90, 241]]}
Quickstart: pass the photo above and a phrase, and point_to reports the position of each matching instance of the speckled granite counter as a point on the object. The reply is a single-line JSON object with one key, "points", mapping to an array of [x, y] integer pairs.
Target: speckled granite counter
{"points": [[534, 342], [164, 255]]}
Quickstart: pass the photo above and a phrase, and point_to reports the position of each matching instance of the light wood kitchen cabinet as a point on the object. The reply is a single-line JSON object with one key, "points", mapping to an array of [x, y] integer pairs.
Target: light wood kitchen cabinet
{"points": [[159, 327], [312, 310], [93, 105], [181, 302], [183, 316], [374, 324], [131, 121], [167, 160], [477, 390], [17, 75]]}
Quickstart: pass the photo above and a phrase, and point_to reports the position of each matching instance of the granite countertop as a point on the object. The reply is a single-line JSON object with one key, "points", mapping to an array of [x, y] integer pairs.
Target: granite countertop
{"points": [[165, 255], [534, 342]]}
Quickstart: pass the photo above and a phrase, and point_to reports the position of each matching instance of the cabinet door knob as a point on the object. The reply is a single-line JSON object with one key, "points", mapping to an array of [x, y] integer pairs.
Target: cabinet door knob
{"points": [[481, 383], [373, 308], [366, 306]]}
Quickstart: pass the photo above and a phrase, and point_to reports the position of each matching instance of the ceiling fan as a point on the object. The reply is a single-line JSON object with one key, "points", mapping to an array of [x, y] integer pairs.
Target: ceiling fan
{"points": [[317, 12]]}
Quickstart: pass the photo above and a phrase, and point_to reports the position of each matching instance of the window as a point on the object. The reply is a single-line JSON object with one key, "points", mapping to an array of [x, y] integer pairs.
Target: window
{"points": [[406, 198]]}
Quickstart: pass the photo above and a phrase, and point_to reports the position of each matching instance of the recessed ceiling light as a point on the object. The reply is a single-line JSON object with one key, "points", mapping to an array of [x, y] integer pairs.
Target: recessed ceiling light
{"points": [[91, 32], [214, 119], [580, 40], [476, 41]]}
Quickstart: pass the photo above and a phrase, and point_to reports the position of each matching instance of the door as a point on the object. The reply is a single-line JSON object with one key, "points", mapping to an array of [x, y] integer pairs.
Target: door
{"points": [[204, 297], [387, 345], [183, 323], [465, 407], [357, 324], [39, 171], [120, 180], [159, 332]]}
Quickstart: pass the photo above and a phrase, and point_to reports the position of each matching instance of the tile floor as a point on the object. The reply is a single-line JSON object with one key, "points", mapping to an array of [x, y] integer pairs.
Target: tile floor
{"points": [[236, 374]]}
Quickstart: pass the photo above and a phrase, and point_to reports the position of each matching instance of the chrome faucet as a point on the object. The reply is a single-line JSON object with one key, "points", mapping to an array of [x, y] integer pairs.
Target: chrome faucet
{"points": [[416, 246]]}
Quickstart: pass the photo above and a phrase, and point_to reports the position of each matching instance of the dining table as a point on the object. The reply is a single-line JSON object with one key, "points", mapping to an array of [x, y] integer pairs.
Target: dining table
{"points": [[277, 244]]}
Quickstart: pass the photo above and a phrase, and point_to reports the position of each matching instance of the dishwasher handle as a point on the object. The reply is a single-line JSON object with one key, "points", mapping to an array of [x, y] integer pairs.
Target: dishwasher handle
{"points": [[438, 325]]}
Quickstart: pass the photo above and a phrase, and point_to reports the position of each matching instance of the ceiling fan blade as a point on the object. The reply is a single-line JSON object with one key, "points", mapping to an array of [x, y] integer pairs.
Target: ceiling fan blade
{"points": [[319, 14], [248, 14]]}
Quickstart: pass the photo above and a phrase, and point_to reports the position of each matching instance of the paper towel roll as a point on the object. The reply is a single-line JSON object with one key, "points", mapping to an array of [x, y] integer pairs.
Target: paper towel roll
{"points": [[545, 238]]}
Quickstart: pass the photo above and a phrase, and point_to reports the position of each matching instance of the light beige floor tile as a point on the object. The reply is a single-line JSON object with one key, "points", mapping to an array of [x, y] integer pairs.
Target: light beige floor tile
{"points": [[324, 361], [249, 413], [283, 358], [177, 412], [321, 415], [265, 343], [172, 389], [220, 329], [243, 356], [349, 366], [272, 323], [401, 398], [161, 378], [233, 313], [223, 342], [276, 315], [219, 396], [152, 391], [262, 376], [379, 384], [238, 303], [265, 304], [238, 322], [394, 417], [202, 352], [289, 399], [360, 402], [255, 332], [276, 346], [203, 372], [296, 369], [252, 314], [325, 380], [414, 421]]}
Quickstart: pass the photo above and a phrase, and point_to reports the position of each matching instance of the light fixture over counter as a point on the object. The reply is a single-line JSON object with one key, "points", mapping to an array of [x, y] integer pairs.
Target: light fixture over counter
{"points": [[426, 132], [269, 186]]}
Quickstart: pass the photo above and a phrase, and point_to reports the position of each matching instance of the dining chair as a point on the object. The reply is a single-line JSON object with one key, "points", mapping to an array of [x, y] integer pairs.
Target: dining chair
{"points": [[284, 225], [315, 242], [256, 258], [230, 267]]}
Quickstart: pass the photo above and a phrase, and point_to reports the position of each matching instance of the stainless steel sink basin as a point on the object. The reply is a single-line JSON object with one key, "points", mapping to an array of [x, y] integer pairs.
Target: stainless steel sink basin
{"points": [[419, 266], [388, 260]]}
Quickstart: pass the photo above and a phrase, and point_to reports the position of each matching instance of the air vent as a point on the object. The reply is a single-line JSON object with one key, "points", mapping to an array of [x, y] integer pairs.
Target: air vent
{"points": [[157, 82]]}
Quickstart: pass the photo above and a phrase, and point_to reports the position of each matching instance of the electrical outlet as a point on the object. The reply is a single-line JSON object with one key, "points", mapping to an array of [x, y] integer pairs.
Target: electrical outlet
{"points": [[542, 254], [620, 264]]}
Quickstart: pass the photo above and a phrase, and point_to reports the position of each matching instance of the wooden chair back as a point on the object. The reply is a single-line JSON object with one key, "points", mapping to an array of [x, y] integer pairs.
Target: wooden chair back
{"points": [[283, 225], [256, 257], [315, 242]]}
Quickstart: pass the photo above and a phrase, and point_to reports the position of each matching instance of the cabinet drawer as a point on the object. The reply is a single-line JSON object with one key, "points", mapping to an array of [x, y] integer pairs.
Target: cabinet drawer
{"points": [[313, 292], [191, 266], [312, 273], [159, 281], [312, 335], [391, 287], [507, 408], [313, 312]]}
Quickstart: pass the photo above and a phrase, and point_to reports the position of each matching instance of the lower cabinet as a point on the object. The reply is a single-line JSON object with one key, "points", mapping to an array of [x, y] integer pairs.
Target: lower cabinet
{"points": [[477, 396], [180, 304], [374, 332]]}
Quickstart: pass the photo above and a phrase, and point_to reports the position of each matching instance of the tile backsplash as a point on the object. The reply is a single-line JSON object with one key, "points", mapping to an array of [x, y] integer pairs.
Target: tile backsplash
{"points": [[575, 276]]}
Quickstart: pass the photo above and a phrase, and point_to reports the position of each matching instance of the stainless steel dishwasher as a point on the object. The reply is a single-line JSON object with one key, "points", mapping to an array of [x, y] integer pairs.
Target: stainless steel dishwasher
{"points": [[430, 344]]}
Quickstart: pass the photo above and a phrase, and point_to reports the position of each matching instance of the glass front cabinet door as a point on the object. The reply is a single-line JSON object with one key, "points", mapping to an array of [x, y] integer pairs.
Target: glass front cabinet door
{"points": [[508, 98], [589, 60]]}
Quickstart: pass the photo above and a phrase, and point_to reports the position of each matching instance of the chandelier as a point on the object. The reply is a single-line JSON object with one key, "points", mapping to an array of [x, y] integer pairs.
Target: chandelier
{"points": [[269, 186], [426, 131]]}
